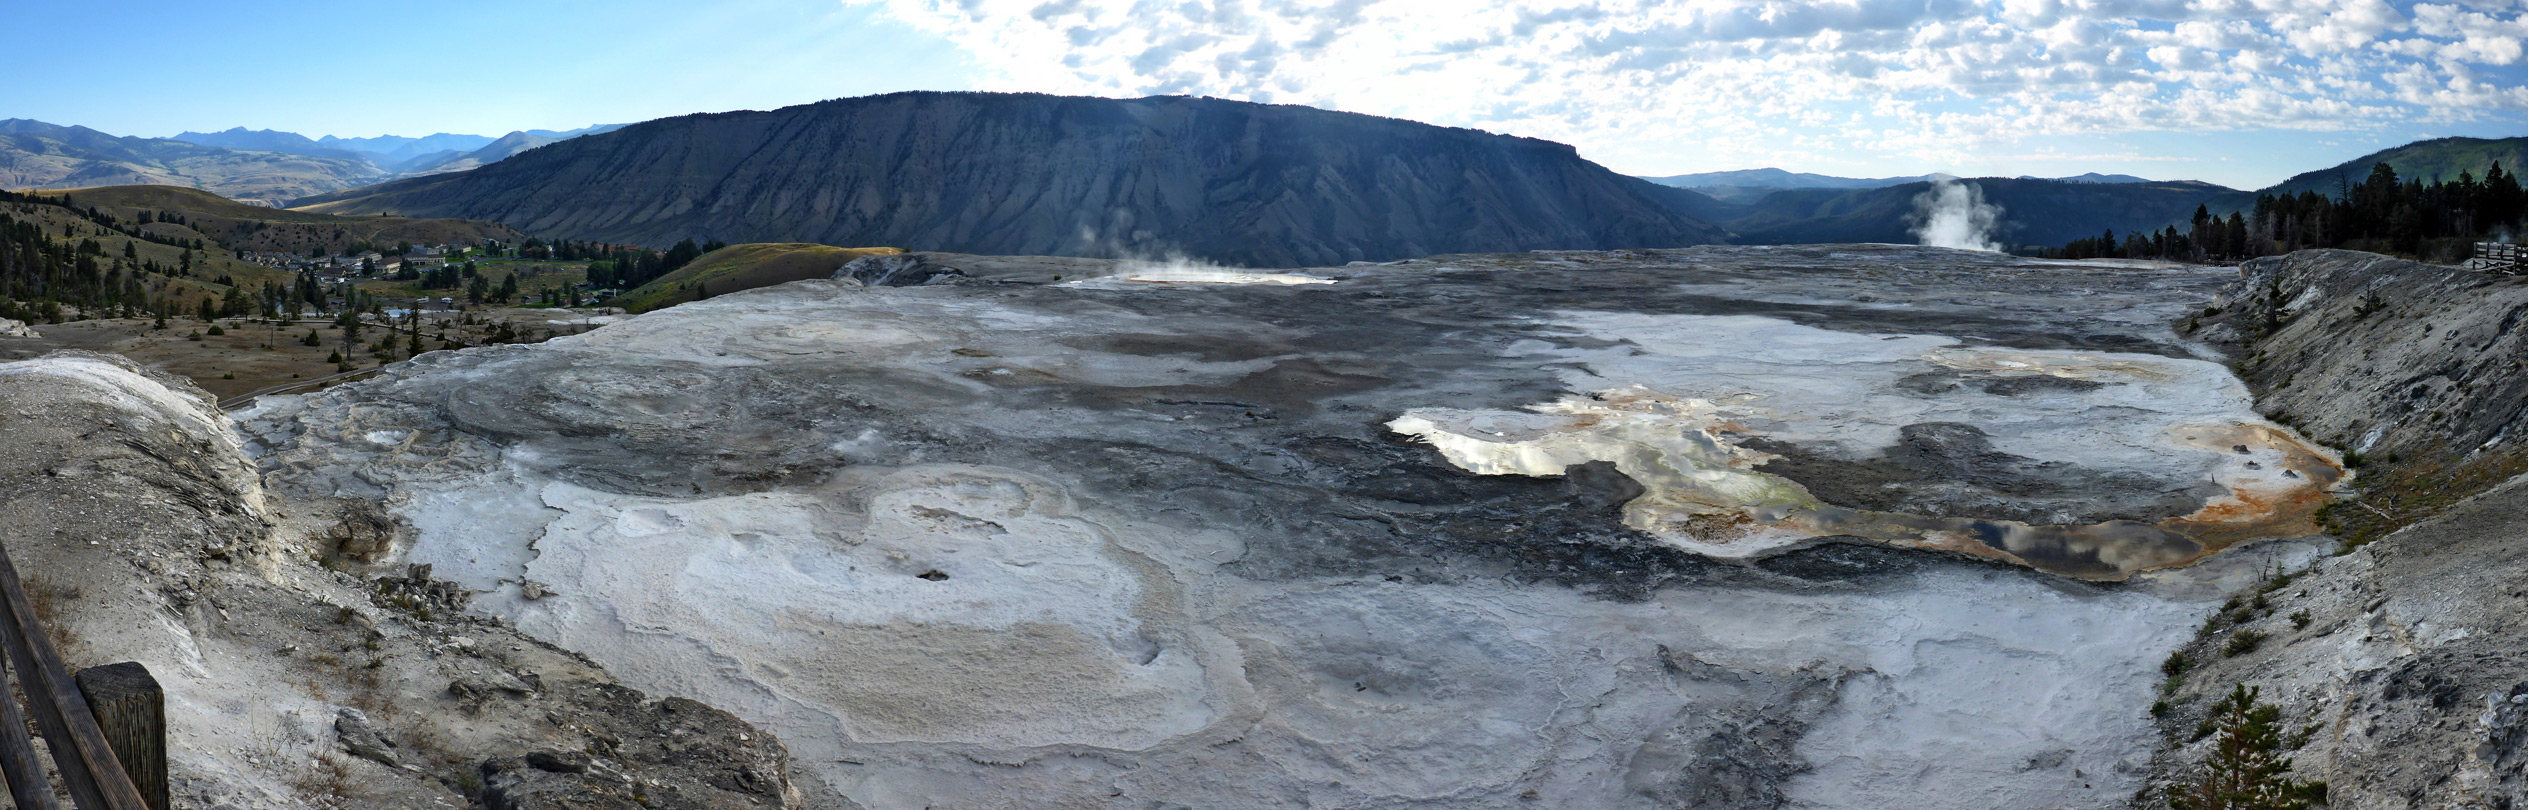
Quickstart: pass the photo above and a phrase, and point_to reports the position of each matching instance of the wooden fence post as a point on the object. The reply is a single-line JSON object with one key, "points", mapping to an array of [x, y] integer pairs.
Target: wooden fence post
{"points": [[27, 785], [132, 711]]}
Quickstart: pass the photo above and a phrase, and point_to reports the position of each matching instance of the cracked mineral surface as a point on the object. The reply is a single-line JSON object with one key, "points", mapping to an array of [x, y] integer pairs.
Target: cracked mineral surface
{"points": [[1804, 527]]}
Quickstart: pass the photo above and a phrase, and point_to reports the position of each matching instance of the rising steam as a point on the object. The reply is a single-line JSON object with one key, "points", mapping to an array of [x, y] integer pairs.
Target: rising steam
{"points": [[1954, 215]]}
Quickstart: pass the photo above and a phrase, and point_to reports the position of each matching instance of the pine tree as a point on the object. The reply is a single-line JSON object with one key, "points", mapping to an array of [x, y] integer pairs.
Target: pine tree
{"points": [[2247, 770]]}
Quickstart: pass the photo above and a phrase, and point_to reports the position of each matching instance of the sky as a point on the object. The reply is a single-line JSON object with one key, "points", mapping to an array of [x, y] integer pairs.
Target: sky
{"points": [[2238, 92]]}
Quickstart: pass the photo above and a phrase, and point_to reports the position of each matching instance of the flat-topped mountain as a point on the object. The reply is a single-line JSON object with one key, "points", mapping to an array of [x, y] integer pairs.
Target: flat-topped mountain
{"points": [[1227, 181]]}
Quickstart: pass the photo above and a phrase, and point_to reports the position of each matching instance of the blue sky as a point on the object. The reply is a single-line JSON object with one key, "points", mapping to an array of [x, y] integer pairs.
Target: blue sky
{"points": [[2240, 92]]}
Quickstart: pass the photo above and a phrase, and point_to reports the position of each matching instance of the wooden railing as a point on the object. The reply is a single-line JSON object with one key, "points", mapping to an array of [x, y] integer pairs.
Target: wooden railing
{"points": [[2498, 257], [102, 766]]}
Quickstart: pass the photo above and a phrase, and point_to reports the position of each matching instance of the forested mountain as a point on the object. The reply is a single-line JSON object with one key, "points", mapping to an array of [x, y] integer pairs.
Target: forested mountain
{"points": [[1254, 184], [1746, 186], [2441, 159], [34, 154], [2383, 213], [2033, 211]]}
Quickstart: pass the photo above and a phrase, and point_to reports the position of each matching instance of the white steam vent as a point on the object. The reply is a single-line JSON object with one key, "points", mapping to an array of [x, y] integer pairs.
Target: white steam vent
{"points": [[1954, 215]]}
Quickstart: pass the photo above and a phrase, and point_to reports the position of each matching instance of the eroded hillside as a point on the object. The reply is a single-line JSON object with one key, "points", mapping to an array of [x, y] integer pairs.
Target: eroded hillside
{"points": [[2402, 659], [1226, 181]]}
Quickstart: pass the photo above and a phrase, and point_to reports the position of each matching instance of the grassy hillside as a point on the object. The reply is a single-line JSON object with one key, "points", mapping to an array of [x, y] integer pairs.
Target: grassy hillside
{"points": [[239, 226], [213, 272], [2420, 160], [743, 267]]}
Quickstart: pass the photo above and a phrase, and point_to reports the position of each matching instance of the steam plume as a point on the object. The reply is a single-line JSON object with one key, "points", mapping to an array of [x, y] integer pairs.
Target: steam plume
{"points": [[1954, 215]]}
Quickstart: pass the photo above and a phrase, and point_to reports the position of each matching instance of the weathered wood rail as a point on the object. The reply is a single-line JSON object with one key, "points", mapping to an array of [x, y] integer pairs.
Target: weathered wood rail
{"points": [[2497, 257], [90, 758]]}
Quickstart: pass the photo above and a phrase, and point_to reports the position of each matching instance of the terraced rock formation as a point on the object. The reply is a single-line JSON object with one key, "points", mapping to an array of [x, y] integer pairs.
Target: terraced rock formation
{"points": [[301, 669], [1629, 529]]}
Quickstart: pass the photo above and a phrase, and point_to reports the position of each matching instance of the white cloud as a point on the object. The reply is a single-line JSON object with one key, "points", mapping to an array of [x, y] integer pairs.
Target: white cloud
{"points": [[1699, 84]]}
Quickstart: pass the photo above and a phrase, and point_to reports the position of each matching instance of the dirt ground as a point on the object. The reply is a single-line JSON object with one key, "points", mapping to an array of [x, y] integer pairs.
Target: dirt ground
{"points": [[252, 355]]}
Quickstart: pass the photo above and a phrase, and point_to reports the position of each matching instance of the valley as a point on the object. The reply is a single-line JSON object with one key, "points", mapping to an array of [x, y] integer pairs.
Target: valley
{"points": [[1146, 448]]}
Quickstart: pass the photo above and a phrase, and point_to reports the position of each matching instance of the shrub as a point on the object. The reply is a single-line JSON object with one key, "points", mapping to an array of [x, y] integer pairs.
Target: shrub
{"points": [[215, 331], [2242, 643]]}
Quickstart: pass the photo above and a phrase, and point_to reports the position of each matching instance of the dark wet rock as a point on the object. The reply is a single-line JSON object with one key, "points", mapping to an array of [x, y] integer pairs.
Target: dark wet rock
{"points": [[1946, 468], [1742, 753], [671, 753], [1842, 563], [2035, 384], [1942, 381]]}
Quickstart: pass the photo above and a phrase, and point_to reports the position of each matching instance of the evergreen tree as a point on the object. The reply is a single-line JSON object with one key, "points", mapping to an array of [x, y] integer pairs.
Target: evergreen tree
{"points": [[2247, 770]]}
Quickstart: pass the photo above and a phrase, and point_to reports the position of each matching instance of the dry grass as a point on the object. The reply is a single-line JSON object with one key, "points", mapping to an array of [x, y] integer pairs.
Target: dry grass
{"points": [[742, 267], [326, 786], [49, 598], [2395, 495]]}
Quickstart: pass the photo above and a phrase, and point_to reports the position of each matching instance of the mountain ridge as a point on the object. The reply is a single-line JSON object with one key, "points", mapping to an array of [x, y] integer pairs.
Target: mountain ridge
{"points": [[2442, 157], [35, 154], [1265, 185]]}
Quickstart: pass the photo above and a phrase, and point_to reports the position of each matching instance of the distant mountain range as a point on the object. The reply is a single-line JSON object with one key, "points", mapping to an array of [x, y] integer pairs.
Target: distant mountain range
{"points": [[2094, 177], [1226, 181], [34, 154], [1778, 179], [1750, 185], [396, 156], [265, 167], [2034, 211], [399, 148], [1809, 208]]}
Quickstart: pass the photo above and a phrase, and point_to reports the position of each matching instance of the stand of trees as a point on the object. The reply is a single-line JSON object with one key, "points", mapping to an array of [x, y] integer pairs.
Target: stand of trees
{"points": [[2440, 221], [39, 274], [623, 268]]}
